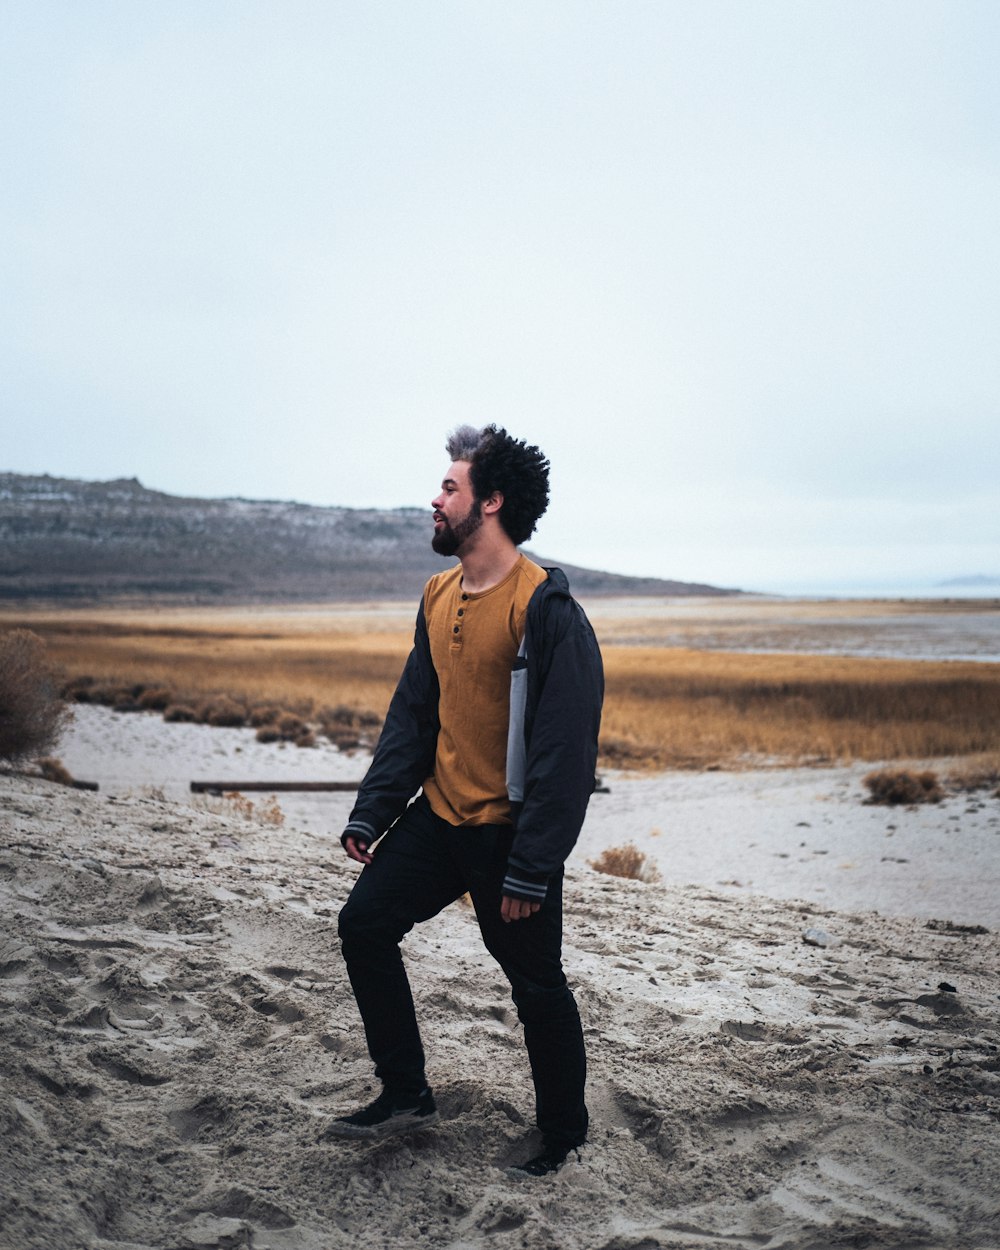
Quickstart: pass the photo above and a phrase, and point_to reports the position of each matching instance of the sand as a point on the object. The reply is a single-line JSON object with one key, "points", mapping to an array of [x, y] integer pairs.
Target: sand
{"points": [[178, 1029]]}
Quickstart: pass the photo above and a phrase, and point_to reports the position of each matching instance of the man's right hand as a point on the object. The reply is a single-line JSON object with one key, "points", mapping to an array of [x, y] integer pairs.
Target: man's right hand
{"points": [[357, 850]]}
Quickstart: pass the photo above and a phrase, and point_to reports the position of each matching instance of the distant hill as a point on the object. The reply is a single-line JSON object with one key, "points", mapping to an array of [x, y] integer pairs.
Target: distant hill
{"points": [[975, 581], [65, 539]]}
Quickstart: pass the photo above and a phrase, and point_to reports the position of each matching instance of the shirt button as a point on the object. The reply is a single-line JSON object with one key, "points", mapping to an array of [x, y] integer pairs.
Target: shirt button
{"points": [[461, 611], [457, 629], [464, 596]]}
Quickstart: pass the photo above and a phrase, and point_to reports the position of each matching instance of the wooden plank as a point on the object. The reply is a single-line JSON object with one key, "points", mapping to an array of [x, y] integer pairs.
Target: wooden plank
{"points": [[274, 787]]}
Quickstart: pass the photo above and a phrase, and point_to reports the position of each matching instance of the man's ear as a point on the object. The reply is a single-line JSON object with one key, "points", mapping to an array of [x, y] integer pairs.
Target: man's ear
{"points": [[494, 503]]}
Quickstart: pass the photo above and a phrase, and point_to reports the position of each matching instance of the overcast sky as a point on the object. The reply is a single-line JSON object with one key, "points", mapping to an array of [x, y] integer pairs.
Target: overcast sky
{"points": [[734, 266]]}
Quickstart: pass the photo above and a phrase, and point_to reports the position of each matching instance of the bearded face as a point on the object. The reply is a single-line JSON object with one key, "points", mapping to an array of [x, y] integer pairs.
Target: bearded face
{"points": [[450, 535]]}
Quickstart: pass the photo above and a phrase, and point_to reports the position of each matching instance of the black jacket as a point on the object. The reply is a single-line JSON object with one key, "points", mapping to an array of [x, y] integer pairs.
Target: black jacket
{"points": [[557, 687]]}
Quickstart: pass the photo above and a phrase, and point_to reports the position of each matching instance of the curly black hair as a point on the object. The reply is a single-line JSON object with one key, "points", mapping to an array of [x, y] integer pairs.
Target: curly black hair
{"points": [[499, 462]]}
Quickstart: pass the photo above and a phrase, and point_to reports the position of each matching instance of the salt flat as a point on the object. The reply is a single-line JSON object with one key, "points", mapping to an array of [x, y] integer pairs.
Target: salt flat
{"points": [[915, 629], [786, 833]]}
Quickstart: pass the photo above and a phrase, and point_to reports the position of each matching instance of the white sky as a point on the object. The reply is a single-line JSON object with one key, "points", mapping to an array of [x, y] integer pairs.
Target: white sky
{"points": [[734, 266]]}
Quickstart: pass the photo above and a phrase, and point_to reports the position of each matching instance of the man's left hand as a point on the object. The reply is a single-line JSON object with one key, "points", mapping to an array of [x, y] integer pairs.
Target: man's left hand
{"points": [[516, 909]]}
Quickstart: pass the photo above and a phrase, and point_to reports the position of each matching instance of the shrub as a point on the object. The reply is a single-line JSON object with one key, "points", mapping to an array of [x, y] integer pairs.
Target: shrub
{"points": [[155, 700], [896, 786], [342, 714], [233, 803], [343, 737], [349, 728], [290, 726], [55, 770], [113, 694], [126, 702], [78, 690], [89, 690], [285, 727], [180, 712], [32, 712], [625, 752], [625, 861], [224, 713], [263, 715], [269, 812], [238, 804]]}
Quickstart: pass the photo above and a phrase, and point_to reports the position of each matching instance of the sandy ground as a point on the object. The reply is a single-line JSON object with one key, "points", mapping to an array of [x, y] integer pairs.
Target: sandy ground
{"points": [[177, 1026]]}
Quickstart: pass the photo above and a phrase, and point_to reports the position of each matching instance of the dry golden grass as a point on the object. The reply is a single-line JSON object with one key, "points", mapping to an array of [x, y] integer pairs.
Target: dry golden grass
{"points": [[676, 708], [53, 769], [297, 665], [665, 707], [264, 812], [626, 861], [977, 772]]}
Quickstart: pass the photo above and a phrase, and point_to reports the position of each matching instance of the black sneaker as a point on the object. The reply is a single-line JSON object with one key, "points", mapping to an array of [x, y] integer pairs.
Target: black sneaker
{"points": [[550, 1160], [385, 1116]]}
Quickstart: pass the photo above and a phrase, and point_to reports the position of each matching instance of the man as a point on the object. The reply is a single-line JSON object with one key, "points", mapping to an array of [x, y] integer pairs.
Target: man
{"points": [[495, 722]]}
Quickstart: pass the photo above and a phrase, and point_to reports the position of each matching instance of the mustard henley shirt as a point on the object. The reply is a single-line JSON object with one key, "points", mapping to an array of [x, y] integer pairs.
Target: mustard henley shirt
{"points": [[474, 640]]}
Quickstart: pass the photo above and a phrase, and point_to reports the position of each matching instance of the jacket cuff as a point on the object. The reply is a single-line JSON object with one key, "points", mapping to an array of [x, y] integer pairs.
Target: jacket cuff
{"points": [[525, 885], [360, 831]]}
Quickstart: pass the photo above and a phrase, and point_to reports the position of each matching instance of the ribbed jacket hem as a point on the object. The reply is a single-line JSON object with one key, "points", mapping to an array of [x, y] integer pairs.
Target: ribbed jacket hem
{"points": [[360, 831], [521, 885]]}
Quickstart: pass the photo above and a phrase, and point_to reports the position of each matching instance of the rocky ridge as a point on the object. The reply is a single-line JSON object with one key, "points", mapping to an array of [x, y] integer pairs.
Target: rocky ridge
{"points": [[66, 539]]}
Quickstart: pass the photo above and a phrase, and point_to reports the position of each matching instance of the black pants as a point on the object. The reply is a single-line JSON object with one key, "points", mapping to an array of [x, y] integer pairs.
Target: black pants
{"points": [[421, 866]]}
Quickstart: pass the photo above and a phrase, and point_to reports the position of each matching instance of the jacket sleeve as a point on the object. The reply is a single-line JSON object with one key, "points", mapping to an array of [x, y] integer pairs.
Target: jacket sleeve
{"points": [[404, 756], [561, 758]]}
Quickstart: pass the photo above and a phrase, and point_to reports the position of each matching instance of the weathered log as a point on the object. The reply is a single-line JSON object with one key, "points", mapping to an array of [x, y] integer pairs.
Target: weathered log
{"points": [[232, 787]]}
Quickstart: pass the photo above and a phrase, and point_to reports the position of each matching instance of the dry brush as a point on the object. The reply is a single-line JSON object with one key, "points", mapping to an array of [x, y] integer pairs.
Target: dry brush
{"points": [[665, 707], [32, 711]]}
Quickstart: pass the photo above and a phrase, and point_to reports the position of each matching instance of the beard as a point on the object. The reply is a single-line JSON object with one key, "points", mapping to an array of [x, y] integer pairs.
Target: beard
{"points": [[448, 541]]}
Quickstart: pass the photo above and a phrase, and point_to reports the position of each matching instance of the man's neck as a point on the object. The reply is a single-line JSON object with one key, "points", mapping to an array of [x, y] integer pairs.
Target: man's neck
{"points": [[487, 564]]}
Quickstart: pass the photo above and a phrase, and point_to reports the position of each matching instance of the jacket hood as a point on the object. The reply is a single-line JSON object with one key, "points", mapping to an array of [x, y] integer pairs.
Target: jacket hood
{"points": [[558, 581]]}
